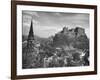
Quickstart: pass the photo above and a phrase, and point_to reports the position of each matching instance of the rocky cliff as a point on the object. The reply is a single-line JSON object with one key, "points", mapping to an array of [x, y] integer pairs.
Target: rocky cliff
{"points": [[75, 37]]}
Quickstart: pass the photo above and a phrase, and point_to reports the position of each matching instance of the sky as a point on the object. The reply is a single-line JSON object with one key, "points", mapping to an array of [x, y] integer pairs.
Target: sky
{"points": [[46, 24]]}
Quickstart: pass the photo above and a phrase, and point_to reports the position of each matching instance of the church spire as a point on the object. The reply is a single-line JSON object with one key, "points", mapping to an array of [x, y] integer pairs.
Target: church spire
{"points": [[31, 33]]}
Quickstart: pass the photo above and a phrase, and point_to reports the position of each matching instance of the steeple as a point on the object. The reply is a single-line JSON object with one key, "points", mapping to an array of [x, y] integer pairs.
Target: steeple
{"points": [[31, 33]]}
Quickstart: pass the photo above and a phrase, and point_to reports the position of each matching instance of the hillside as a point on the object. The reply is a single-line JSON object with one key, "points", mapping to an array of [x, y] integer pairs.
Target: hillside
{"points": [[75, 37]]}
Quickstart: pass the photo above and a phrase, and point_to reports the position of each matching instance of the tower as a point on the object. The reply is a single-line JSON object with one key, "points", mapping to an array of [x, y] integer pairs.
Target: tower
{"points": [[31, 33], [31, 51], [30, 39]]}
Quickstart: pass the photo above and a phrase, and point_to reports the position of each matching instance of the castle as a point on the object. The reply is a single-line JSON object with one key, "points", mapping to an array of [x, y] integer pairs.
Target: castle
{"points": [[73, 32]]}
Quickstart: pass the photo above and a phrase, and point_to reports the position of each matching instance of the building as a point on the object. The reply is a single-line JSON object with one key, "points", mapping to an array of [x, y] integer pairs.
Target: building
{"points": [[30, 51]]}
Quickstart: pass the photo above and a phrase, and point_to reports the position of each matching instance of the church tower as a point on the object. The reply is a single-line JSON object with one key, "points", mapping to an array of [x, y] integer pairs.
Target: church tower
{"points": [[31, 33], [30, 51], [30, 39]]}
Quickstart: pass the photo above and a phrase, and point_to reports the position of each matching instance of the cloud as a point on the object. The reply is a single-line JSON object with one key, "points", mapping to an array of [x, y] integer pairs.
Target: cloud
{"points": [[30, 13], [48, 23], [35, 21], [45, 31], [27, 20], [57, 14]]}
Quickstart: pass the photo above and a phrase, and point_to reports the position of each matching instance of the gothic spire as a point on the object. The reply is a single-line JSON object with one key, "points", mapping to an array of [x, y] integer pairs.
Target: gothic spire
{"points": [[31, 33]]}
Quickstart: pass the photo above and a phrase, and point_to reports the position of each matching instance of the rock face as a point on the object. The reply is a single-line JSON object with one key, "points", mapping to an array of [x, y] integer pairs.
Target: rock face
{"points": [[75, 37], [75, 32]]}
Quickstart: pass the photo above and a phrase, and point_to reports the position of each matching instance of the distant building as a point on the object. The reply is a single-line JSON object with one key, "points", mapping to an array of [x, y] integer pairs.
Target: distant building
{"points": [[79, 31], [75, 32], [65, 30]]}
